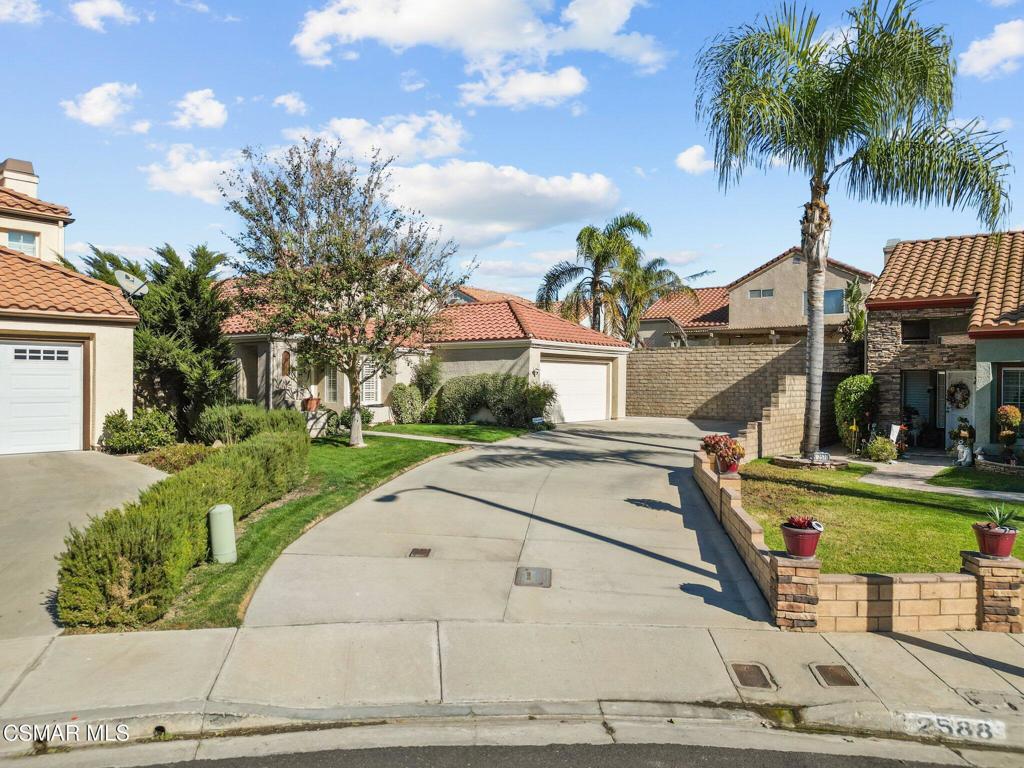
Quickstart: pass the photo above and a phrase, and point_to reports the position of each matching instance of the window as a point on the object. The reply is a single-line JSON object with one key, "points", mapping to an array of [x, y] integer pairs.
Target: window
{"points": [[44, 355], [286, 364], [1012, 387], [761, 293], [835, 302], [371, 385], [331, 385], [22, 241], [915, 331]]}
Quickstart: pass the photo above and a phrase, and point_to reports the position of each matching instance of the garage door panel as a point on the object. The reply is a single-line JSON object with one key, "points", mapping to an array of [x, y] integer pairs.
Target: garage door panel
{"points": [[581, 389], [41, 397]]}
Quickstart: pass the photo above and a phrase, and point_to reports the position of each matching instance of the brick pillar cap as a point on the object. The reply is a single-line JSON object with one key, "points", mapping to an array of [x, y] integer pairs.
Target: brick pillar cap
{"points": [[795, 562], [991, 562]]}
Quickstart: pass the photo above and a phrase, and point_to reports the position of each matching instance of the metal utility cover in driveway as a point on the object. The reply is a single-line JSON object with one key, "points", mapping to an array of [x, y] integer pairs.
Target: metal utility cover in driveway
{"points": [[836, 675], [533, 577]]}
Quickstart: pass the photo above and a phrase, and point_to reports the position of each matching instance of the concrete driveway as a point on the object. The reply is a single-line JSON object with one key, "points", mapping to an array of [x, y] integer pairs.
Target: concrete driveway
{"points": [[42, 494], [610, 507]]}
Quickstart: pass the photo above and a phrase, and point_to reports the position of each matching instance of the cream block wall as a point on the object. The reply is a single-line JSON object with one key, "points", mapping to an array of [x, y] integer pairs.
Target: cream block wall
{"points": [[110, 348]]}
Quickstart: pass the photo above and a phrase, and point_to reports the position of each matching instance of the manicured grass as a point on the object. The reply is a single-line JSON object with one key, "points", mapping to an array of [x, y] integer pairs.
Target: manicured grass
{"points": [[868, 528], [969, 477], [216, 595], [482, 433]]}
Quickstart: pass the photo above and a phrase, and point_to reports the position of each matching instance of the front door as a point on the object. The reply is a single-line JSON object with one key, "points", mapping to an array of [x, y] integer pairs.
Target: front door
{"points": [[954, 413]]}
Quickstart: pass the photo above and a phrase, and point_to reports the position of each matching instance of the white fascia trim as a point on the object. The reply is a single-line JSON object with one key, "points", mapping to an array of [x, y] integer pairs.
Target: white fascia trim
{"points": [[565, 346]]}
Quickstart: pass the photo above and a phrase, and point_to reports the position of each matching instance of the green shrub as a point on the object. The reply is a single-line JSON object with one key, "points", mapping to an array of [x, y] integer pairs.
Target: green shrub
{"points": [[512, 400], [426, 376], [332, 428], [174, 458], [345, 417], [428, 414], [882, 449], [235, 423], [854, 399], [149, 429], [126, 567], [406, 404]]}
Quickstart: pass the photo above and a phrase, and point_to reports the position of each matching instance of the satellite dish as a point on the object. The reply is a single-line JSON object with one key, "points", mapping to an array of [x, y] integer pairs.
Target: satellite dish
{"points": [[130, 284]]}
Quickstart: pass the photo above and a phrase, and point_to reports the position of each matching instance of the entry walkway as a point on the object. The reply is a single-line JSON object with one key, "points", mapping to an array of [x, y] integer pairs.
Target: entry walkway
{"points": [[912, 472]]}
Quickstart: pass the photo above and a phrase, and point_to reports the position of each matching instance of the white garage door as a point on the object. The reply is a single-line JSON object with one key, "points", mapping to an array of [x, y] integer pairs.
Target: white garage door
{"points": [[581, 389], [40, 397]]}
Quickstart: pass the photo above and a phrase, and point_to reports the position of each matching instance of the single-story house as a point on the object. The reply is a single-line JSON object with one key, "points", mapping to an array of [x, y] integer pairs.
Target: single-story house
{"points": [[768, 305], [66, 340], [504, 335], [947, 317]]}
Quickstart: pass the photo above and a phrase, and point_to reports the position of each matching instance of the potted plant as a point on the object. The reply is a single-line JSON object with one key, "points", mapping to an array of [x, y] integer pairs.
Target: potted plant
{"points": [[729, 455], [312, 401], [963, 430], [801, 534], [996, 537], [1008, 417]]}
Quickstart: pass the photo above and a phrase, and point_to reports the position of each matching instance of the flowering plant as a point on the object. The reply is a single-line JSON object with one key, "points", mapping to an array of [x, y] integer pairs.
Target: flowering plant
{"points": [[800, 521], [712, 443], [1008, 417]]}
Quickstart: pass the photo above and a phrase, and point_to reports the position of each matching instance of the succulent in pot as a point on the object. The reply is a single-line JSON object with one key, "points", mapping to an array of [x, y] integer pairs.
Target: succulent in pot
{"points": [[726, 451], [997, 536], [801, 534]]}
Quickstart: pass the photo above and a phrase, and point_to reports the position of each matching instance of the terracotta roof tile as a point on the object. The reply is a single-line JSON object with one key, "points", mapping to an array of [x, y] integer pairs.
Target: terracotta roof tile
{"points": [[31, 285], [984, 271], [484, 294], [18, 202], [795, 251], [509, 319], [709, 310]]}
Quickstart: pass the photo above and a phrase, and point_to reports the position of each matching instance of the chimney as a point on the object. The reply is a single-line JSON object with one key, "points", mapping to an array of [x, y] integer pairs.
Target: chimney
{"points": [[19, 176], [890, 246]]}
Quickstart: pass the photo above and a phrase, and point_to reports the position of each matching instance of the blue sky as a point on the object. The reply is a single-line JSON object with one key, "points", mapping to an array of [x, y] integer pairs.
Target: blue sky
{"points": [[514, 121]]}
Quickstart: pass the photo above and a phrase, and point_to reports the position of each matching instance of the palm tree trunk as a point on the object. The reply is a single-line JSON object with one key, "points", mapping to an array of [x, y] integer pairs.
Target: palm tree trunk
{"points": [[815, 235], [595, 304]]}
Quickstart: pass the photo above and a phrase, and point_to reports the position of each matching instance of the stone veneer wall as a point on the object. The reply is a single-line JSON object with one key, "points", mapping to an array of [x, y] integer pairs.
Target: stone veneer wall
{"points": [[998, 468], [985, 595], [752, 384], [887, 355]]}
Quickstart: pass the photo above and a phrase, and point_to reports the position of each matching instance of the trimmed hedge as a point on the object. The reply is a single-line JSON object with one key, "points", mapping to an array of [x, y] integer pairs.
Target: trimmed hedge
{"points": [[148, 429], [406, 404], [126, 567], [235, 423], [854, 400], [512, 400], [175, 458], [345, 417]]}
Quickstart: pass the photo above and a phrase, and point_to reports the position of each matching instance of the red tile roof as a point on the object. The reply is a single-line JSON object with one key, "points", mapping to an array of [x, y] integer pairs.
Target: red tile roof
{"points": [[709, 309], [18, 202], [484, 294], [32, 286], [985, 272], [509, 319], [795, 251]]}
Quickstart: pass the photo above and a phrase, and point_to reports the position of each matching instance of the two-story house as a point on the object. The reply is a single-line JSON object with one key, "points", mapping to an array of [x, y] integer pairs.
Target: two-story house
{"points": [[768, 305], [946, 333], [66, 340]]}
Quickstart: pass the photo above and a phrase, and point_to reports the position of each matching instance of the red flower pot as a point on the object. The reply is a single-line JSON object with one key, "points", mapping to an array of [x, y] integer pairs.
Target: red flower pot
{"points": [[725, 466], [994, 542], [801, 543], [310, 404]]}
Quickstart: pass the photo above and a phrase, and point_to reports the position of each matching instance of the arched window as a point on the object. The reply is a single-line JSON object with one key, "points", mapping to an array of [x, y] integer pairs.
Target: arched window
{"points": [[286, 363]]}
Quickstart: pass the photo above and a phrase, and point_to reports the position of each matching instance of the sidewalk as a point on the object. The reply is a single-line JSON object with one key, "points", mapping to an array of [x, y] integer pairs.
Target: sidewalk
{"points": [[913, 471], [220, 681]]}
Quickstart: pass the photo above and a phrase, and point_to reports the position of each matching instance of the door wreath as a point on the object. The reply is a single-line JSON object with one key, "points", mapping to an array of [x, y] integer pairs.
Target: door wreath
{"points": [[958, 395]]}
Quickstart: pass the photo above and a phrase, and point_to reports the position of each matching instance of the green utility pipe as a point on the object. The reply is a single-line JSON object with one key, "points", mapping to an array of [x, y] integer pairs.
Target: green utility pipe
{"points": [[222, 533]]}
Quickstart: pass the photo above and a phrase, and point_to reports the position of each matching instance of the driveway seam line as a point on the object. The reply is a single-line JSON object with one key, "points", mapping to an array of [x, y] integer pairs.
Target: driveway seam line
{"points": [[526, 536], [725, 666], [216, 678], [27, 670], [440, 664]]}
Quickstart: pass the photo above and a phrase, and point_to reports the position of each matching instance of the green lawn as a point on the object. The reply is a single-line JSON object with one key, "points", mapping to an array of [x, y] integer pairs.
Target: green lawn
{"points": [[868, 528], [481, 433], [969, 477], [216, 595]]}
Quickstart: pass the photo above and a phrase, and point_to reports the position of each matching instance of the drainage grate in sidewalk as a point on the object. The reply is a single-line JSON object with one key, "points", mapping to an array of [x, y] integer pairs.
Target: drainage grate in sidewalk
{"points": [[419, 552], [835, 675], [751, 676], [533, 577]]}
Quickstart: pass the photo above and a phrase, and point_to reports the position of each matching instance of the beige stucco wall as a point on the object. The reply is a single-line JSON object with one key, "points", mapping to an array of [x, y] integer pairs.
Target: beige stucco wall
{"points": [[110, 349], [50, 234], [468, 360], [786, 308], [656, 333]]}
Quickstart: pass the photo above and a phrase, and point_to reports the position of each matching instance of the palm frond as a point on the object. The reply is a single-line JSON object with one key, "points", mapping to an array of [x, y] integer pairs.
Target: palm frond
{"points": [[555, 279]]}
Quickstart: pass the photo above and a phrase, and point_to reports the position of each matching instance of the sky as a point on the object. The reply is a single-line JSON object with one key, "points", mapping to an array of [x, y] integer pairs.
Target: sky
{"points": [[513, 122]]}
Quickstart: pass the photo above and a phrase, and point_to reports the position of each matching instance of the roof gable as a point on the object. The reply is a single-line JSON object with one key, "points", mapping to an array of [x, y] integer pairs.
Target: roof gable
{"points": [[507, 320], [20, 203], [795, 251], [705, 308]]}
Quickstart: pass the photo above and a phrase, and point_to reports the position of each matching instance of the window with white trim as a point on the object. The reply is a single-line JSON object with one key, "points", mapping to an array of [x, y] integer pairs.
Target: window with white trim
{"points": [[761, 293], [22, 241], [331, 384], [371, 386], [42, 355]]}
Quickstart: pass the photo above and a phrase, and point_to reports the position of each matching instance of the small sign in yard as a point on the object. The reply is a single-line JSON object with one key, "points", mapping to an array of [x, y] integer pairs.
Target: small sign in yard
{"points": [[821, 457], [894, 433], [538, 420]]}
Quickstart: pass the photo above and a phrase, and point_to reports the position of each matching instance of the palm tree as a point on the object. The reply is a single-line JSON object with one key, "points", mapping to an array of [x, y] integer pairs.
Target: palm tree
{"points": [[637, 284], [872, 103], [598, 253]]}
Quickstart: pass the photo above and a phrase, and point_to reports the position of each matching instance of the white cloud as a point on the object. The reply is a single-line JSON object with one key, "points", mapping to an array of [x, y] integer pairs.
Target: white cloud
{"points": [[522, 88], [187, 170], [408, 137], [694, 160], [530, 265], [20, 12], [200, 108], [94, 13], [981, 124], [412, 81], [103, 105], [502, 40], [292, 103], [141, 126], [193, 5], [1002, 3], [129, 250], [997, 54], [481, 204]]}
